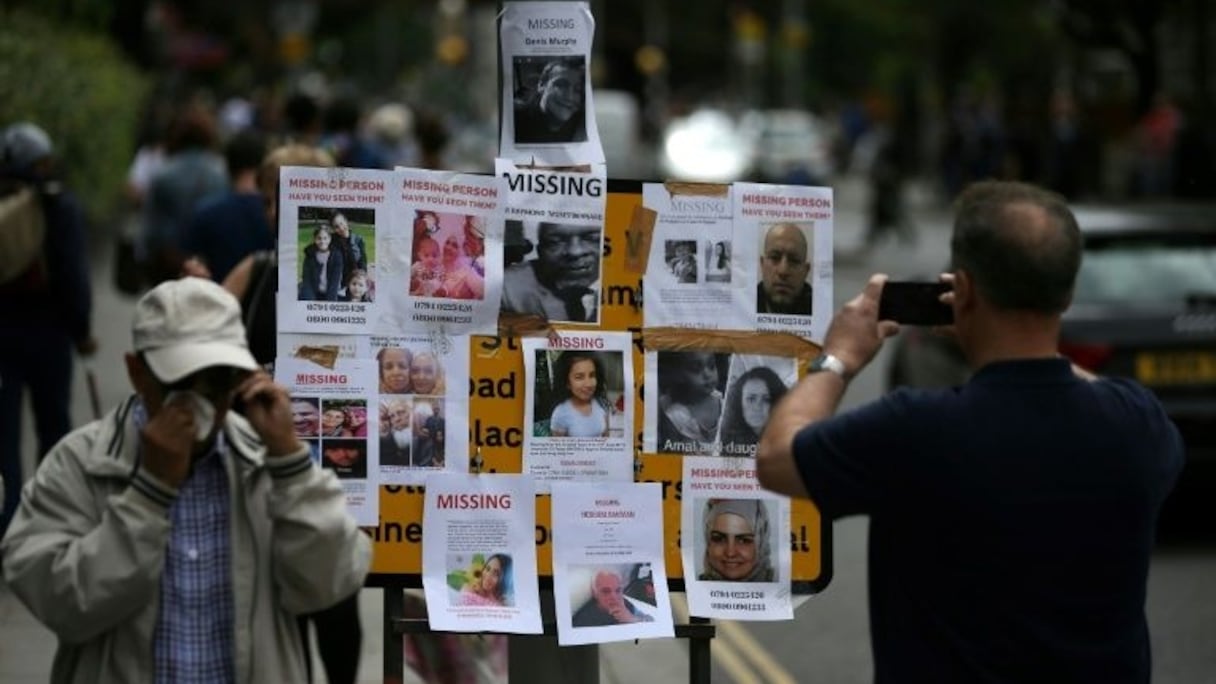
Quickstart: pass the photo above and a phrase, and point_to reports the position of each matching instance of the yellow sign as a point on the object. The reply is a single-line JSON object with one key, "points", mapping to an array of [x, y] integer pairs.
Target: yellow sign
{"points": [[496, 415]]}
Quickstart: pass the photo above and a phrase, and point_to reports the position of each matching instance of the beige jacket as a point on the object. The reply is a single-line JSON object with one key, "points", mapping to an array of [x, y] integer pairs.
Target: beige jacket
{"points": [[86, 549]]}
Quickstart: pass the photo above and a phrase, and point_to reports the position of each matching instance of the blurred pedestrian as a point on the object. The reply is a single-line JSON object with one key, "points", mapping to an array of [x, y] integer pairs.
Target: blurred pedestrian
{"points": [[1156, 137], [343, 139], [1012, 519], [225, 229], [46, 299], [191, 173]]}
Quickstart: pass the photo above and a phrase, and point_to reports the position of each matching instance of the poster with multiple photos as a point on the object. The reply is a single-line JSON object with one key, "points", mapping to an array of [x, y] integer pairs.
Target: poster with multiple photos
{"points": [[698, 274], [421, 399], [329, 413], [711, 403], [547, 108]]}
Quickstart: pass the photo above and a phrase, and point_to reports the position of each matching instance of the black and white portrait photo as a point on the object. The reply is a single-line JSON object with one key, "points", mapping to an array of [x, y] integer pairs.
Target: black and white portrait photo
{"points": [[550, 100], [556, 273]]}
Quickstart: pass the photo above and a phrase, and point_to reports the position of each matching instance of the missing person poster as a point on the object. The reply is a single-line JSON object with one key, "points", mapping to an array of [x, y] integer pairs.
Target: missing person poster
{"points": [[442, 265], [370, 251], [734, 542], [479, 553], [712, 403], [554, 242], [329, 413], [791, 226], [548, 116], [696, 275], [420, 391], [329, 223], [609, 576], [578, 407]]}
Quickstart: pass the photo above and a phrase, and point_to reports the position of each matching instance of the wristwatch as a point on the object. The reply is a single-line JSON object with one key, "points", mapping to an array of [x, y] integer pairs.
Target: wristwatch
{"points": [[827, 362]]}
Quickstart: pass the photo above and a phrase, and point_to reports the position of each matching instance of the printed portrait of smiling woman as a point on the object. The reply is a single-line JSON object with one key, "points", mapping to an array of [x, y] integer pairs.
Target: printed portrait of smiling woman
{"points": [[737, 544]]}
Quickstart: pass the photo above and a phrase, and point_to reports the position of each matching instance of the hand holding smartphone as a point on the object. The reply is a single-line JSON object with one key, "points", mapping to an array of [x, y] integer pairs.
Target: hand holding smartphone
{"points": [[915, 303]]}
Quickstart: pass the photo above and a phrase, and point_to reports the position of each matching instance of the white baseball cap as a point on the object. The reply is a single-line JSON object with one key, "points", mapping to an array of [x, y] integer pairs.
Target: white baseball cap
{"points": [[182, 326]]}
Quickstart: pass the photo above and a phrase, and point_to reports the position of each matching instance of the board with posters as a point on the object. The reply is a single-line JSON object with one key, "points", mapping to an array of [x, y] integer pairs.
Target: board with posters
{"points": [[496, 430]]}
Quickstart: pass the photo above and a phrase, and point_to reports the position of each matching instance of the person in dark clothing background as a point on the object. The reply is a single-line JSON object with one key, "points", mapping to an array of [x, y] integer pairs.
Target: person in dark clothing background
{"points": [[45, 310], [225, 229]]}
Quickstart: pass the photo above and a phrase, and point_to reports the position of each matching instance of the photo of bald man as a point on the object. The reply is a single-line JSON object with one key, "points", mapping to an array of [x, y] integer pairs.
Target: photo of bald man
{"points": [[785, 264]]}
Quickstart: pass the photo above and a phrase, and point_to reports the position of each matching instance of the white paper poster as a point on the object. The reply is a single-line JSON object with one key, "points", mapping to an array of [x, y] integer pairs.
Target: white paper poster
{"points": [[422, 400], [479, 553], [371, 251], [711, 403], [442, 264], [548, 116], [578, 407], [554, 242], [791, 226], [697, 275], [609, 576], [330, 414], [734, 542], [330, 220]]}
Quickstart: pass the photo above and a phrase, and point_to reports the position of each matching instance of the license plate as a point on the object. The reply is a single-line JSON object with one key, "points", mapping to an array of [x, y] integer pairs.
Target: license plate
{"points": [[1176, 368]]}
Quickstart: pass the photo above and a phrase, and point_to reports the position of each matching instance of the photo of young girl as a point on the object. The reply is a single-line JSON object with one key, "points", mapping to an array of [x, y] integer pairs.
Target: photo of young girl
{"points": [[584, 411], [690, 400], [358, 287], [578, 390]]}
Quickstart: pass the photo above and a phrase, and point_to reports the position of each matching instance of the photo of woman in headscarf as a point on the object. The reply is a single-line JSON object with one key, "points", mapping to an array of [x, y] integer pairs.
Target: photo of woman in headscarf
{"points": [[737, 539]]}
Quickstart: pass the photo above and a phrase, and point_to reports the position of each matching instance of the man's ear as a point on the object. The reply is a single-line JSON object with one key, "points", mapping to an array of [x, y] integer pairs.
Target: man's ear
{"points": [[964, 291]]}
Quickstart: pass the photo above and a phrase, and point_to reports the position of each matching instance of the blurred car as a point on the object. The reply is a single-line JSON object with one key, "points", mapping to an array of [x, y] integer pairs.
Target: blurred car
{"points": [[1144, 307], [788, 146]]}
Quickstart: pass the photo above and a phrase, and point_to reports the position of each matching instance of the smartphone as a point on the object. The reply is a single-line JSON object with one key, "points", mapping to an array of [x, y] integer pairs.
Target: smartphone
{"points": [[914, 303]]}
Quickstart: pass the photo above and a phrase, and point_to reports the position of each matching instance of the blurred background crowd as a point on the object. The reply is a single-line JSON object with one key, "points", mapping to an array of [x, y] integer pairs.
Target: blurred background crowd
{"points": [[1095, 99]]}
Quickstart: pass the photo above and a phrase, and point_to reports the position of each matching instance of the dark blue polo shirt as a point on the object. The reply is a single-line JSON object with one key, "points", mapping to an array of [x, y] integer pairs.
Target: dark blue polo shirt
{"points": [[1012, 521]]}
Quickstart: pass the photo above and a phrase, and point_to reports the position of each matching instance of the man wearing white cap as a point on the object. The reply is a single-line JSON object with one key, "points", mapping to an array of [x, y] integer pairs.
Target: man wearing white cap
{"points": [[175, 540]]}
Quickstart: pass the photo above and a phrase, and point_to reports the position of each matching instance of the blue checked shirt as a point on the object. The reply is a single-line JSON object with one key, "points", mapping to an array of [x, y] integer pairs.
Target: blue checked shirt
{"points": [[193, 638]]}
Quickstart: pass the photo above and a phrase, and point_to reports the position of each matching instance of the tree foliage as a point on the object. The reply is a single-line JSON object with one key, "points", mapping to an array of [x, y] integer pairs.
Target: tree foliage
{"points": [[77, 86]]}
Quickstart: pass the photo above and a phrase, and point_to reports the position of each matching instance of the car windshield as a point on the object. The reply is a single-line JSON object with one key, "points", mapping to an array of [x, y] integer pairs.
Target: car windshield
{"points": [[1138, 273]]}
